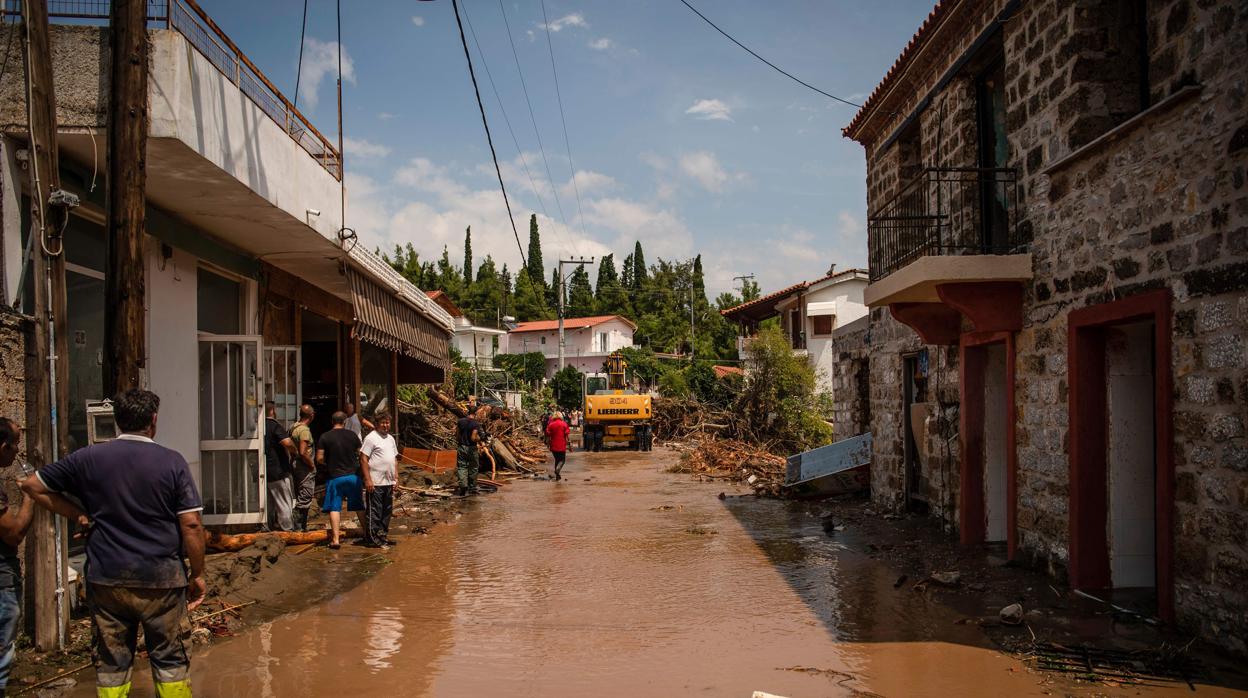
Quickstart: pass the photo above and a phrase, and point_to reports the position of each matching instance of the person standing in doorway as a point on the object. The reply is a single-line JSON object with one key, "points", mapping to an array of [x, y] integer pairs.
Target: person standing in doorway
{"points": [[379, 458], [468, 437], [14, 522], [145, 516], [557, 438], [355, 423], [339, 453], [304, 471], [277, 470]]}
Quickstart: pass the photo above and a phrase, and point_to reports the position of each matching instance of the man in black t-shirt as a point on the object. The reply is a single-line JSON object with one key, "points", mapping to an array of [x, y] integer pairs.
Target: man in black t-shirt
{"points": [[339, 453], [468, 435], [278, 470]]}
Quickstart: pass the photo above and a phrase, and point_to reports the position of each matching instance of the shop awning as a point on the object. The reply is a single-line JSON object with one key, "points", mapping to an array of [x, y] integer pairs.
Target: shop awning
{"points": [[382, 319]]}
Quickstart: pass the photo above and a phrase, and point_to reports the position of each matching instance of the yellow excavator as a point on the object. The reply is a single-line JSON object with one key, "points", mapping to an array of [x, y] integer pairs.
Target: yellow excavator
{"points": [[613, 413]]}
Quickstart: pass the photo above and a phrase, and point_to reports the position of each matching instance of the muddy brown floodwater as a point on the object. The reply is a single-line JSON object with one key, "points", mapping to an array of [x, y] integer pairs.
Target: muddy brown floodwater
{"points": [[624, 580]]}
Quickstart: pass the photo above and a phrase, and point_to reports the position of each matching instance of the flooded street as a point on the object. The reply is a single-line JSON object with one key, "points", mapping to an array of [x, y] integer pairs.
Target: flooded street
{"points": [[623, 580]]}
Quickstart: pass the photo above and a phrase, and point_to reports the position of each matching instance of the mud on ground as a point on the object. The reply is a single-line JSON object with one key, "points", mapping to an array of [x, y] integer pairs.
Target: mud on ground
{"points": [[254, 585]]}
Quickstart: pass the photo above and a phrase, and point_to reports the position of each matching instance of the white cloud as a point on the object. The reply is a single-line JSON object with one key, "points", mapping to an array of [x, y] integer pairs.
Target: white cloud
{"points": [[363, 149], [587, 182], [710, 110], [661, 232], [418, 20], [385, 116], [576, 19], [704, 168], [320, 60], [600, 44]]}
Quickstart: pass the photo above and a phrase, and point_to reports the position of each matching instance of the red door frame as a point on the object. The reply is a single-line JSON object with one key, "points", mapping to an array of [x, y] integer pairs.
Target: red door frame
{"points": [[1089, 495], [972, 509]]}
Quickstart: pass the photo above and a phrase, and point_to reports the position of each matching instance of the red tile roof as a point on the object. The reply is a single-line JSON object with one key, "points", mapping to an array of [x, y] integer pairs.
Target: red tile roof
{"points": [[445, 301], [572, 323], [722, 371], [925, 31], [762, 300]]}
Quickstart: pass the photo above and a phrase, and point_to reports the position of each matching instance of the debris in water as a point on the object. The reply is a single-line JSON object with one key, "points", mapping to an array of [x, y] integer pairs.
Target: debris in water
{"points": [[949, 579], [1012, 614], [900, 580], [701, 531]]}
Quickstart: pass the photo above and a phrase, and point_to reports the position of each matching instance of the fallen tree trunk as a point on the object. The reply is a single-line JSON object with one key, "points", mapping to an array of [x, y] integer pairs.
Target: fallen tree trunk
{"points": [[226, 543], [445, 402]]}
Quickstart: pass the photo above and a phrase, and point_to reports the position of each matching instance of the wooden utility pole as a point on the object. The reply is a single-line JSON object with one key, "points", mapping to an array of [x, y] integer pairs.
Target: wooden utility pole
{"points": [[48, 385], [128, 120]]}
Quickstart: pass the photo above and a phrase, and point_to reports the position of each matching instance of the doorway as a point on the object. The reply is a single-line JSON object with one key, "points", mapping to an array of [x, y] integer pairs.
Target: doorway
{"points": [[987, 494], [320, 368], [913, 414], [1121, 454]]}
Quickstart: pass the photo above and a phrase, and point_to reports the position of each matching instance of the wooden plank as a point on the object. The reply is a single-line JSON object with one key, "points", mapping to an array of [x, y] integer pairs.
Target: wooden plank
{"points": [[124, 288]]}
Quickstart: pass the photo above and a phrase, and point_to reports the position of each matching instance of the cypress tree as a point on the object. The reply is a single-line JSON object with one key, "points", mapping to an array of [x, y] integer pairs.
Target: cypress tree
{"points": [[468, 256], [536, 268], [639, 267]]}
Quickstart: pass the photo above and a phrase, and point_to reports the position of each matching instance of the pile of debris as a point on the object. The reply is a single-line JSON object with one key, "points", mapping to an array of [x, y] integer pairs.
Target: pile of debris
{"points": [[679, 419], [736, 461], [514, 443]]}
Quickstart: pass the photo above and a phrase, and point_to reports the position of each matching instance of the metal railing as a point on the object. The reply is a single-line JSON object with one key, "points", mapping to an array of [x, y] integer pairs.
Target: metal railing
{"points": [[189, 19], [946, 211]]}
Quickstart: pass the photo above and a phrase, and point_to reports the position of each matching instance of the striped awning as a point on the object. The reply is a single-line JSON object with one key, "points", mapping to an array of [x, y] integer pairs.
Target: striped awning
{"points": [[384, 320]]}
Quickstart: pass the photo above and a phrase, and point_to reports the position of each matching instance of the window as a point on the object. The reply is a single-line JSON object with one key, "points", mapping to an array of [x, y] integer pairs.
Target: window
{"points": [[602, 341], [220, 301], [822, 324], [543, 340]]}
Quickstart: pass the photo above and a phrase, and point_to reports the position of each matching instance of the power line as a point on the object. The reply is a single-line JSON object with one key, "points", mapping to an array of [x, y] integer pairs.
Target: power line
{"points": [[775, 67], [490, 76], [554, 190], [559, 98], [484, 122], [303, 33]]}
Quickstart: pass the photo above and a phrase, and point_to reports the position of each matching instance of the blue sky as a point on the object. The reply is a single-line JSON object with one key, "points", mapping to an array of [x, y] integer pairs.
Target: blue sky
{"points": [[679, 138]]}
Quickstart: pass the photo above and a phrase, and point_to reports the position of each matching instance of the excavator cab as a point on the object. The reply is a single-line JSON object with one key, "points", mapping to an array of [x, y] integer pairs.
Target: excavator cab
{"points": [[613, 412]]}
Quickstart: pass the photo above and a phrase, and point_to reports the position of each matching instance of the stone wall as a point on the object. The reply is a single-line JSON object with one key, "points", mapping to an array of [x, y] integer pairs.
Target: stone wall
{"points": [[1115, 203], [851, 380]]}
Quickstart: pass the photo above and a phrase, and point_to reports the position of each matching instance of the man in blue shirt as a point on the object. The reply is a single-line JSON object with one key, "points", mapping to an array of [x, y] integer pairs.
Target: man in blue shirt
{"points": [[145, 514]]}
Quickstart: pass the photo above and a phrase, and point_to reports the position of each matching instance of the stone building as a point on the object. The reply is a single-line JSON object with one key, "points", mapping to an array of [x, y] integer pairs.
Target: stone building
{"points": [[1058, 241]]}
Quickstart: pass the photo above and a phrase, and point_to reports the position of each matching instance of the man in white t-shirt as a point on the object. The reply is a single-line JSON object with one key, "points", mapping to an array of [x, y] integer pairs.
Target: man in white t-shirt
{"points": [[379, 457]]}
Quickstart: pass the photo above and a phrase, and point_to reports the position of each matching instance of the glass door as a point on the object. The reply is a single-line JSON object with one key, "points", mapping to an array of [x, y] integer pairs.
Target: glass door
{"points": [[231, 429], [282, 386]]}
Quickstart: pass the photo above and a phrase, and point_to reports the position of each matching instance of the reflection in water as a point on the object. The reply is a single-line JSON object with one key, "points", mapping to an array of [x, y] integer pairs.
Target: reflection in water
{"points": [[385, 637], [637, 583]]}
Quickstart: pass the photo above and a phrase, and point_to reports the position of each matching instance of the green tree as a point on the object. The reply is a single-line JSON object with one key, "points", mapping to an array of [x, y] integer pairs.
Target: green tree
{"points": [[468, 257], [449, 278], [529, 368], [699, 282], [580, 294], [529, 300], [611, 296], [639, 267], [626, 273], [750, 290], [568, 387], [407, 262], [537, 270], [643, 367], [504, 279], [777, 402], [553, 291], [484, 299]]}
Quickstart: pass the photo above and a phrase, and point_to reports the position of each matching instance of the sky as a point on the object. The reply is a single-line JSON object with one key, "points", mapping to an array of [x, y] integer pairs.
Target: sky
{"points": [[679, 138]]}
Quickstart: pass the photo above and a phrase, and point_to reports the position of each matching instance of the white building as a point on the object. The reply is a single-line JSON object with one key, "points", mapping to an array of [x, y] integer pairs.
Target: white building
{"points": [[587, 340], [250, 294], [476, 344], [809, 312]]}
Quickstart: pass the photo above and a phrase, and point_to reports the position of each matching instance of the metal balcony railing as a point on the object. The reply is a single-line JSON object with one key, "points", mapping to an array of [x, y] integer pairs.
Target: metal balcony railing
{"points": [[945, 211], [189, 19]]}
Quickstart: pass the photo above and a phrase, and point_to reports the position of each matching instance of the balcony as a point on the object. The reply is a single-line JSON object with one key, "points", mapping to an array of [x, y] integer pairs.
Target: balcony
{"points": [[945, 246]]}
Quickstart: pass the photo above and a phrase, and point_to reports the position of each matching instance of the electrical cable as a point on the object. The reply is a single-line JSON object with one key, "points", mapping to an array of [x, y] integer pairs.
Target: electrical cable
{"points": [[303, 33], [554, 192], [485, 122], [559, 99], [775, 67], [523, 160]]}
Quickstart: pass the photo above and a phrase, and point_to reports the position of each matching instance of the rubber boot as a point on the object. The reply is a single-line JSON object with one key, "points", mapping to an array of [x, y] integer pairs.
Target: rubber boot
{"points": [[300, 519], [121, 691], [173, 689]]}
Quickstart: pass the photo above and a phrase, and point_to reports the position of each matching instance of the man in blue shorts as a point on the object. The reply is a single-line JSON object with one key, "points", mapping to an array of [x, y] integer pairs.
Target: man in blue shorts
{"points": [[339, 453]]}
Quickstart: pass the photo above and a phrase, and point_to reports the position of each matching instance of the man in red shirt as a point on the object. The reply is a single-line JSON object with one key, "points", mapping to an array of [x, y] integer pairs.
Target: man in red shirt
{"points": [[557, 436]]}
